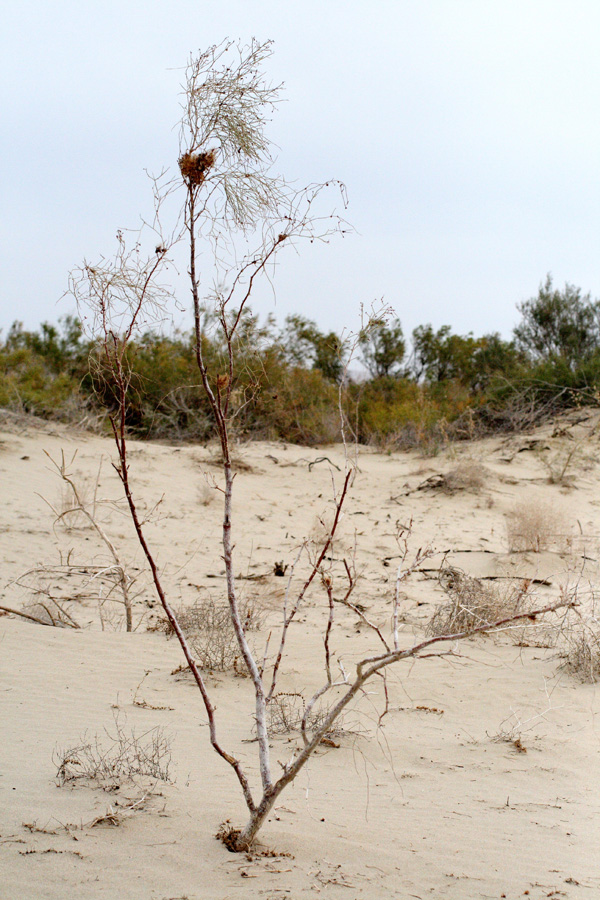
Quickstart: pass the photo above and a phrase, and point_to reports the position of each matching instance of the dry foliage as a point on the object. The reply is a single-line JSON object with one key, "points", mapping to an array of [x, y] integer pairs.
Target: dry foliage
{"points": [[238, 463], [474, 604], [48, 612], [79, 507], [114, 758], [75, 508], [583, 655], [467, 476], [61, 595], [287, 712], [206, 494], [561, 463], [194, 166], [535, 528], [209, 630]]}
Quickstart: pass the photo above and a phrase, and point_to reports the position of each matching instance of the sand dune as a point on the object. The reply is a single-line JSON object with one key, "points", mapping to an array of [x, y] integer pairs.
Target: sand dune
{"points": [[482, 781]]}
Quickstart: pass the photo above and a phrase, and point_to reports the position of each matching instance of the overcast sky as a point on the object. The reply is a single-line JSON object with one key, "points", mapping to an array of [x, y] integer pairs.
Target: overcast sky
{"points": [[467, 133]]}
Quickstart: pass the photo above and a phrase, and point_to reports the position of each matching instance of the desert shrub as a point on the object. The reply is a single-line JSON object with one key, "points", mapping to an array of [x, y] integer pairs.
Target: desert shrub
{"points": [[209, 630], [286, 712], [113, 758], [60, 594], [27, 384], [534, 527], [464, 387], [165, 399], [560, 463], [583, 654], [41, 371], [49, 611], [288, 402], [473, 603], [542, 389], [397, 413], [297, 405], [228, 108], [467, 476]]}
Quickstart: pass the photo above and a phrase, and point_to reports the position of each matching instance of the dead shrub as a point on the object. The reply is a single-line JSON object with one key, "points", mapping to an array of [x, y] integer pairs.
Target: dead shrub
{"points": [[583, 655], [561, 462], [60, 594], [206, 494], [111, 759], [286, 713], [468, 476], [474, 604], [238, 463], [49, 612], [534, 527], [209, 630], [75, 511]]}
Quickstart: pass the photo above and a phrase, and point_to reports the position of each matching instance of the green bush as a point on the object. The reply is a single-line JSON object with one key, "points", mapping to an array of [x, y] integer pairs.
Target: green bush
{"points": [[286, 381]]}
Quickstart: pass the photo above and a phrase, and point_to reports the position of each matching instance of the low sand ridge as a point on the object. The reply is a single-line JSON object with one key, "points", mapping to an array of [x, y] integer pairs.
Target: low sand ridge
{"points": [[433, 803]]}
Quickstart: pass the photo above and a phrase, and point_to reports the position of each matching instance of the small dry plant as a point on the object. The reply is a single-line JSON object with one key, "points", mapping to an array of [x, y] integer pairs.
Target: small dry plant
{"points": [[206, 494], [289, 713], [210, 633], [583, 645], [53, 586], [59, 593], [467, 476], [111, 759], [47, 604], [535, 526], [514, 728], [74, 499], [473, 604], [560, 463]]}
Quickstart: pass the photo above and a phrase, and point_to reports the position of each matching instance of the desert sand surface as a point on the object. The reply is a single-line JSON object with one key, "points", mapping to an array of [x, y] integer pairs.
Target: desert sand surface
{"points": [[483, 779]]}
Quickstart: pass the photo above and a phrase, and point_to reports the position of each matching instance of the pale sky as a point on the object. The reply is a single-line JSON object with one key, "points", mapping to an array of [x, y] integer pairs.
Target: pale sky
{"points": [[467, 133]]}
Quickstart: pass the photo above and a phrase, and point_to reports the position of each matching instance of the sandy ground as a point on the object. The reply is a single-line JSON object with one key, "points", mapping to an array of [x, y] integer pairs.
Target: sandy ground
{"points": [[483, 779]]}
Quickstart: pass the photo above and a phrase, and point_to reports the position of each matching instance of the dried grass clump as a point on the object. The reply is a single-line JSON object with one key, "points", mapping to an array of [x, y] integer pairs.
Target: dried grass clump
{"points": [[61, 594], [115, 758], [206, 494], [534, 528], [209, 630], [194, 166], [474, 604], [583, 656], [286, 712], [468, 476], [237, 463], [49, 612], [562, 463], [76, 512]]}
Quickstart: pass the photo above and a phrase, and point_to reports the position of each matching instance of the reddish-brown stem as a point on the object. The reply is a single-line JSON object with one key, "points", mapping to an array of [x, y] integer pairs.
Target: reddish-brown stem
{"points": [[313, 572], [119, 433]]}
